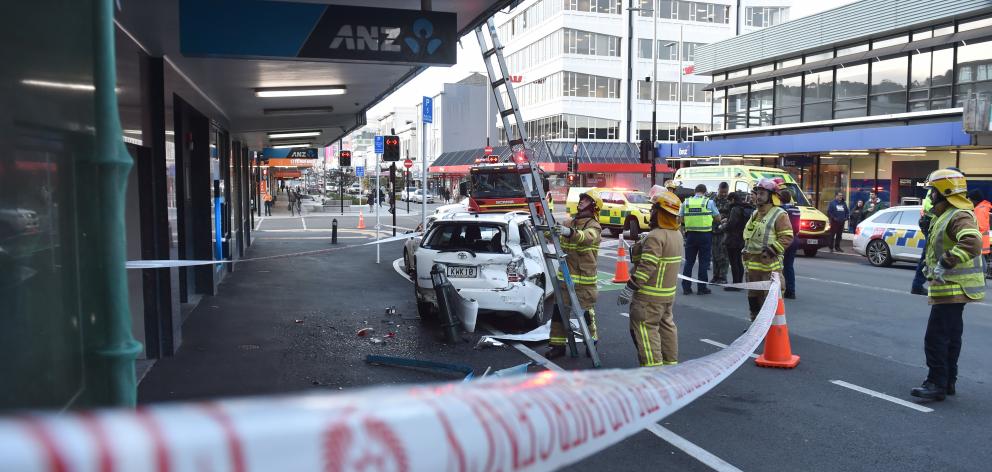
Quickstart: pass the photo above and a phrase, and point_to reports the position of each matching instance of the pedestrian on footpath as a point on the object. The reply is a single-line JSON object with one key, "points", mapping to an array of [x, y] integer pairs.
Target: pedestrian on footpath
{"points": [[697, 214], [874, 205], [292, 201], [268, 203], [954, 269], [838, 213], [740, 212], [580, 240], [789, 258], [721, 264], [651, 290], [857, 215], [766, 236]]}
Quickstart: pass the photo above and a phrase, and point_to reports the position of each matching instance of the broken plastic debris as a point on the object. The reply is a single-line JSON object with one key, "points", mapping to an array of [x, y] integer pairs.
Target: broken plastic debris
{"points": [[487, 341], [391, 310], [390, 334], [376, 341], [365, 331], [298, 321]]}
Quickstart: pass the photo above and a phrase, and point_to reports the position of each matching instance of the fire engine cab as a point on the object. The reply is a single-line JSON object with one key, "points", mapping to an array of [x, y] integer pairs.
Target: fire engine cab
{"points": [[497, 187]]}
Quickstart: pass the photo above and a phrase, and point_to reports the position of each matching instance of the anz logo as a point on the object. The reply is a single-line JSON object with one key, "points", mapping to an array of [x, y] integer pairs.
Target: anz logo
{"points": [[387, 38]]}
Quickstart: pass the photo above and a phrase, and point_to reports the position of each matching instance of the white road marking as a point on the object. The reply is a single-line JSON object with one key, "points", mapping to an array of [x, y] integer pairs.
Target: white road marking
{"points": [[311, 237], [694, 451], [398, 266], [304, 221], [723, 346], [259, 224], [882, 396], [872, 288]]}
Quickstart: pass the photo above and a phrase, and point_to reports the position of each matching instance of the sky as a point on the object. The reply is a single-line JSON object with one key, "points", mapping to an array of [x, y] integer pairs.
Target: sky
{"points": [[470, 60]]}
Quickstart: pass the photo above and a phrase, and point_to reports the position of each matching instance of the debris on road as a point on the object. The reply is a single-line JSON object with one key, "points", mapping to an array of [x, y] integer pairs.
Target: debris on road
{"points": [[487, 341], [464, 370], [376, 340], [390, 335], [511, 371], [391, 310], [364, 332], [298, 321]]}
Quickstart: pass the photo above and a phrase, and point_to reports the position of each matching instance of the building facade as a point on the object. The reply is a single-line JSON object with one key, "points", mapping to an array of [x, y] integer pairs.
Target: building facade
{"points": [[859, 106], [569, 62]]}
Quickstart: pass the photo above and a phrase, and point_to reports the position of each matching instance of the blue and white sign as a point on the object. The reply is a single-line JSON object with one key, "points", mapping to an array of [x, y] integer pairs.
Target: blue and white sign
{"points": [[428, 110], [360, 171], [380, 144]]}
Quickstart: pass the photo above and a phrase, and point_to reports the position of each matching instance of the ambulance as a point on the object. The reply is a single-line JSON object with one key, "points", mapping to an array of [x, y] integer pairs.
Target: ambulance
{"points": [[623, 209], [814, 227]]}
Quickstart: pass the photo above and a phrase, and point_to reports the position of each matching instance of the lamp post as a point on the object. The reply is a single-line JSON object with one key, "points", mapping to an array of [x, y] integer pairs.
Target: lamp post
{"points": [[678, 51], [654, 97], [631, 122]]}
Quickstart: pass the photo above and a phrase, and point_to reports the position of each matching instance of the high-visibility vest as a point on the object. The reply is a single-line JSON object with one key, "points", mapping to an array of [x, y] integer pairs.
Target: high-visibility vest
{"points": [[698, 216], [982, 211], [967, 277]]}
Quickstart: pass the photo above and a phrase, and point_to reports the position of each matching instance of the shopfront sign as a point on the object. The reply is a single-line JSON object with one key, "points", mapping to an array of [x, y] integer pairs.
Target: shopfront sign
{"points": [[284, 162], [293, 30]]}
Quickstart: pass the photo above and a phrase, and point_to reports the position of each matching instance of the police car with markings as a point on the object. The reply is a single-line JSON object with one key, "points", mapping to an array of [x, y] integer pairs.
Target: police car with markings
{"points": [[890, 235]]}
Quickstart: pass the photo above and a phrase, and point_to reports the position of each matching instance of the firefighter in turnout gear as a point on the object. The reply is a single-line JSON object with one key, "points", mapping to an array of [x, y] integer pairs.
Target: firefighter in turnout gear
{"points": [[766, 236], [651, 290], [955, 271], [580, 240]]}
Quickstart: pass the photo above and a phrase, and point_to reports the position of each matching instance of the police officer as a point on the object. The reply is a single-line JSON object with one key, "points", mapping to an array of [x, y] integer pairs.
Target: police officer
{"points": [[580, 240], [652, 288], [697, 213], [766, 236], [721, 263], [955, 271]]}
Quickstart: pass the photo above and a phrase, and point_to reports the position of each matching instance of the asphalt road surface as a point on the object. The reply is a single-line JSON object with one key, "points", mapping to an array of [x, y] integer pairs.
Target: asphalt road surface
{"points": [[290, 324]]}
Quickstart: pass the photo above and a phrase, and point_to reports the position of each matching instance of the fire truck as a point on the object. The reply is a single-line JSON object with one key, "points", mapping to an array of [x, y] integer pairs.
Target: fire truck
{"points": [[497, 187]]}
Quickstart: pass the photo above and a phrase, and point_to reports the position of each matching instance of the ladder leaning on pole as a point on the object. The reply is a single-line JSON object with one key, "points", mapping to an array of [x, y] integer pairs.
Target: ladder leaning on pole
{"points": [[544, 221]]}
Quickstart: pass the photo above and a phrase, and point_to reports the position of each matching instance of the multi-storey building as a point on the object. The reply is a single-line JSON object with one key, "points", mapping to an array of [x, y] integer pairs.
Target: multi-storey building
{"points": [[569, 59], [851, 101]]}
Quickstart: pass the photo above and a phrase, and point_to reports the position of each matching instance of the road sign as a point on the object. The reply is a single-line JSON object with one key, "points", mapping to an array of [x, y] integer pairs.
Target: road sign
{"points": [[408, 163], [379, 146], [428, 110], [489, 150], [360, 171]]}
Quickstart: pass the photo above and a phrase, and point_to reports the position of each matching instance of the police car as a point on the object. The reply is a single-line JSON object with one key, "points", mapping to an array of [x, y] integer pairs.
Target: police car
{"points": [[892, 234]]}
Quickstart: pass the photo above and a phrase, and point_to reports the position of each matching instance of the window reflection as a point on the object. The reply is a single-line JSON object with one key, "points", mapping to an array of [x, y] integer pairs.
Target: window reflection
{"points": [[888, 86], [852, 91]]}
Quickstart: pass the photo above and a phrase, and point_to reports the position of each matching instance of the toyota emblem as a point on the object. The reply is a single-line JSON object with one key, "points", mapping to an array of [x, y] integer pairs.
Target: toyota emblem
{"points": [[462, 255]]}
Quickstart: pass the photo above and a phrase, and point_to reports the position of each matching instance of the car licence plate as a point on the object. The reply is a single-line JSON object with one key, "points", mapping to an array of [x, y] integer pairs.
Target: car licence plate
{"points": [[814, 242], [463, 272]]}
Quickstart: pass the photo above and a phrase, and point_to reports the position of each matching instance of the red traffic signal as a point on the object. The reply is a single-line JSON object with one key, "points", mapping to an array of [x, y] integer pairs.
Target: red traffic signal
{"points": [[391, 148]]}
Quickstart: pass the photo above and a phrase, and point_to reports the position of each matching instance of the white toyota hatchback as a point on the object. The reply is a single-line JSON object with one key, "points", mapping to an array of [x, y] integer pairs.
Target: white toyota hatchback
{"points": [[494, 259]]}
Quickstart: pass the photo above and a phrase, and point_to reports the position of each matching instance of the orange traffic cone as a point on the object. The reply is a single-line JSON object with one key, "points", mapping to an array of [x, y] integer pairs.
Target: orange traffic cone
{"points": [[361, 220], [622, 272], [778, 350]]}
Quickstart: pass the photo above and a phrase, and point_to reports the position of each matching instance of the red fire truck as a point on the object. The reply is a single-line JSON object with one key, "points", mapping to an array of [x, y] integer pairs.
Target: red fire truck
{"points": [[497, 187]]}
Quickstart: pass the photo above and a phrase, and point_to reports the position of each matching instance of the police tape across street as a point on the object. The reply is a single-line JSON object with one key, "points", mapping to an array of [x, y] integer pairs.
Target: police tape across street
{"points": [[539, 421]]}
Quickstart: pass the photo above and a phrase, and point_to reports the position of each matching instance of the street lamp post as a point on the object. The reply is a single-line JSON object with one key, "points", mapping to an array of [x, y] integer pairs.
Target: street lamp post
{"points": [[654, 97]]}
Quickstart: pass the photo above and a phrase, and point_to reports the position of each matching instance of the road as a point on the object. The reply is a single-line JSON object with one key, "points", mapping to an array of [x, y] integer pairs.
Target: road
{"points": [[285, 325]]}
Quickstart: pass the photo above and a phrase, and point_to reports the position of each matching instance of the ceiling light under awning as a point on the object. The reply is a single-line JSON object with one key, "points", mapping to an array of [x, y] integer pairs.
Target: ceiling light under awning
{"points": [[313, 91], [293, 134], [291, 145], [297, 111]]}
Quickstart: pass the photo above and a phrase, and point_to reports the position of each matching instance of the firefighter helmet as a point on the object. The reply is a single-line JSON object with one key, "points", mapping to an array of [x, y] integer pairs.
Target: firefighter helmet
{"points": [[667, 202], [952, 185], [593, 195], [771, 186]]}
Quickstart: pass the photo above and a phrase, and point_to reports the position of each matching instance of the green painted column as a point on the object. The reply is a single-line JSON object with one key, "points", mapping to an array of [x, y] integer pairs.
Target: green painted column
{"points": [[101, 180]]}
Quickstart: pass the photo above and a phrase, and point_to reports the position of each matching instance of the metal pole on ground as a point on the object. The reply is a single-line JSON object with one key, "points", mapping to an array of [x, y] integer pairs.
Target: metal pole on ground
{"points": [[392, 188], [377, 203], [423, 176]]}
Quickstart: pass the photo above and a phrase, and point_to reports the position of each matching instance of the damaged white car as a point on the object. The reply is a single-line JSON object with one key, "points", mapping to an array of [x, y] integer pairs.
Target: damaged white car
{"points": [[494, 259]]}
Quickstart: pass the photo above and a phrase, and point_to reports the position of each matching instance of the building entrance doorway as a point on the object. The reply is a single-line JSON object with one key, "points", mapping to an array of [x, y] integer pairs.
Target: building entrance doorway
{"points": [[906, 177]]}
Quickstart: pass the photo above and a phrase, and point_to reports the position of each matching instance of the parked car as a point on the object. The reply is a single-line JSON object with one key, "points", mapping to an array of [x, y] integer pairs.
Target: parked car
{"points": [[411, 245], [494, 259], [420, 195], [407, 193], [355, 189], [890, 235]]}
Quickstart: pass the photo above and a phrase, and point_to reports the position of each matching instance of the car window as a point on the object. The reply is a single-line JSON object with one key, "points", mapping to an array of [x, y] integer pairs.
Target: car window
{"points": [[908, 217], [526, 237], [457, 235], [885, 218], [637, 197], [741, 186]]}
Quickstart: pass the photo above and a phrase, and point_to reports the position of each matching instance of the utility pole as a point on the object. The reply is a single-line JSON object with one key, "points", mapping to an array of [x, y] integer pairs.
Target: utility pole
{"points": [[654, 98], [678, 129]]}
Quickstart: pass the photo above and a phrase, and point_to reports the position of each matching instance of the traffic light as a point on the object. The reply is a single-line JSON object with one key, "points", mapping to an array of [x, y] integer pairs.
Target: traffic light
{"points": [[573, 165], [647, 151], [572, 179], [344, 159], [391, 148]]}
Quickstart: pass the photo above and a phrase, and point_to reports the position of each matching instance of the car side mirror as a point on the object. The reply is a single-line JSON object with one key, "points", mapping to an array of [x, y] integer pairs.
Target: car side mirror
{"points": [[463, 188]]}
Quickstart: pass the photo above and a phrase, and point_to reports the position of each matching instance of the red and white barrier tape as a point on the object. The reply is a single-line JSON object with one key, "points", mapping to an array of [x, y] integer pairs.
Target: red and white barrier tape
{"points": [[541, 421]]}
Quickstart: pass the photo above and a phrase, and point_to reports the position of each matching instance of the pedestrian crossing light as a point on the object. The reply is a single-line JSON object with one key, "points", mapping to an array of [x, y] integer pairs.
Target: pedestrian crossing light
{"points": [[647, 151], [344, 159], [391, 148]]}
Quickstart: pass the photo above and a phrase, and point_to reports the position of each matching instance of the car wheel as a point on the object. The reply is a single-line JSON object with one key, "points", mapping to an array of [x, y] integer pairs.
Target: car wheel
{"points": [[878, 253], [406, 262], [424, 308], [810, 251], [539, 317], [633, 228]]}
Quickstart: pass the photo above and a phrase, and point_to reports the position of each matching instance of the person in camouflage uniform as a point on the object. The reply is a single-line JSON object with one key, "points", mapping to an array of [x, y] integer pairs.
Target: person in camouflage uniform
{"points": [[721, 262]]}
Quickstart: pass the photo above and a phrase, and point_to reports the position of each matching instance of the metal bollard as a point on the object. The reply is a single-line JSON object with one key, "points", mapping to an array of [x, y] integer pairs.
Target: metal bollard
{"points": [[334, 231]]}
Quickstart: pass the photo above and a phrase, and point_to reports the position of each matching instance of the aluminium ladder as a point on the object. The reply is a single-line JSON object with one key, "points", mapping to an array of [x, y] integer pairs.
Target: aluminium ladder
{"points": [[544, 221]]}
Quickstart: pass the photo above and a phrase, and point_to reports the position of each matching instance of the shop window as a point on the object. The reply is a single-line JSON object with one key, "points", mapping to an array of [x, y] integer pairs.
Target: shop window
{"points": [[788, 99], [974, 70], [852, 49], [900, 172], [976, 162], [975, 24], [736, 116], [788, 63], [760, 108], [888, 86], [891, 41], [810, 58], [818, 93], [719, 109], [852, 91]]}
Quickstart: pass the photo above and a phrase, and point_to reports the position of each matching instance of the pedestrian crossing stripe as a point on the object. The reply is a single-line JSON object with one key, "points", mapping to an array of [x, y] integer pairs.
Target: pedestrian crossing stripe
{"points": [[604, 282], [911, 238]]}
